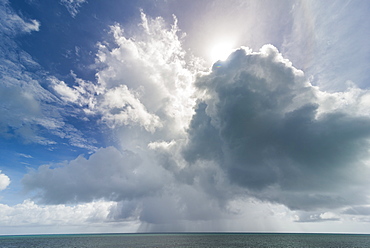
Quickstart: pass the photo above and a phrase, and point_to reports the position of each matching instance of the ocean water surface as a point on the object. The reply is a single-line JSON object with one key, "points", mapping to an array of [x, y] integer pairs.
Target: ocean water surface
{"points": [[201, 240]]}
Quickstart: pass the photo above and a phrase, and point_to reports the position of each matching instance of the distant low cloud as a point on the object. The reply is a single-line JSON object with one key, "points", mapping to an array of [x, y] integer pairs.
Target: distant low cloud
{"points": [[316, 217], [4, 181], [73, 6], [143, 190], [108, 174], [90, 217]]}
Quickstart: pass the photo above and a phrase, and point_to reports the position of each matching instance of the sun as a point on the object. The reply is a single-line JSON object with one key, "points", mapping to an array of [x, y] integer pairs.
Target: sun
{"points": [[221, 50]]}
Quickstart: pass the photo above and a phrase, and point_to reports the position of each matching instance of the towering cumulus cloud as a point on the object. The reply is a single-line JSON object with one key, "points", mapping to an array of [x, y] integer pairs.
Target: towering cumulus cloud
{"points": [[191, 149]]}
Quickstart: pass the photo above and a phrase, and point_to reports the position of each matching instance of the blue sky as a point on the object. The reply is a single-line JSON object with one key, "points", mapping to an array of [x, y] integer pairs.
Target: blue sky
{"points": [[139, 116]]}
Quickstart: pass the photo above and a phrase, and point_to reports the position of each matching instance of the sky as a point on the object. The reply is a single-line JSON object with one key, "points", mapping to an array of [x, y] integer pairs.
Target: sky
{"points": [[184, 116]]}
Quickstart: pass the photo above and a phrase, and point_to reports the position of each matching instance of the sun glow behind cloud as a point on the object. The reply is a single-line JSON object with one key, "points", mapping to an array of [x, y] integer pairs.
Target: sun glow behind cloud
{"points": [[221, 50]]}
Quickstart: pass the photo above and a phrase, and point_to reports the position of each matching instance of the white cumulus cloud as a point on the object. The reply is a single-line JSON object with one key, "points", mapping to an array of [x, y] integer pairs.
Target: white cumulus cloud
{"points": [[4, 181]]}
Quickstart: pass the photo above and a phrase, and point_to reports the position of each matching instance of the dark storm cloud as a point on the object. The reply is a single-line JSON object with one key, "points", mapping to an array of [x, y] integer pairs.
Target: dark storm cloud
{"points": [[261, 121]]}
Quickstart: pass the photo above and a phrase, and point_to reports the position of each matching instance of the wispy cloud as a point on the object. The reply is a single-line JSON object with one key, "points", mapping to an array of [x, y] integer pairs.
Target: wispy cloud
{"points": [[29, 112], [73, 6], [11, 23], [24, 155], [326, 57]]}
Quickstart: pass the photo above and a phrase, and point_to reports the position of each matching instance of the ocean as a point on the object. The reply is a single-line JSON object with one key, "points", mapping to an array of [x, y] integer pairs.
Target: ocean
{"points": [[185, 240]]}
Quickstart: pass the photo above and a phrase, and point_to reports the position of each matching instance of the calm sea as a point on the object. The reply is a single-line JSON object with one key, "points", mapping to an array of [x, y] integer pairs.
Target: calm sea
{"points": [[201, 240]]}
